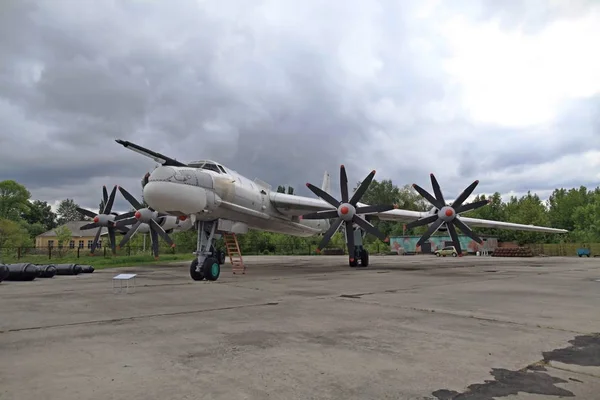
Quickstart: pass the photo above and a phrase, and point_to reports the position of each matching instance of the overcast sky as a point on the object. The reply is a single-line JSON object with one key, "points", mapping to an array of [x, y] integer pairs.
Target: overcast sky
{"points": [[507, 92]]}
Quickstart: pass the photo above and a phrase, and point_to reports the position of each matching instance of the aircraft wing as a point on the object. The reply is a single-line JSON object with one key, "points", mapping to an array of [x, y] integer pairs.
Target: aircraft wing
{"points": [[409, 216], [159, 158], [484, 223], [298, 205], [293, 205]]}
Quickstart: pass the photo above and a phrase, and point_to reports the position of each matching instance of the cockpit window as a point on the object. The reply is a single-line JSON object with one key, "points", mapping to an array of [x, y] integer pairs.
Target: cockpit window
{"points": [[207, 165], [222, 169], [211, 167]]}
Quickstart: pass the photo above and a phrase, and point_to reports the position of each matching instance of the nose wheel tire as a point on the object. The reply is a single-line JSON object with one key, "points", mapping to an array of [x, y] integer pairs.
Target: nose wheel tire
{"points": [[211, 269], [197, 276], [221, 257]]}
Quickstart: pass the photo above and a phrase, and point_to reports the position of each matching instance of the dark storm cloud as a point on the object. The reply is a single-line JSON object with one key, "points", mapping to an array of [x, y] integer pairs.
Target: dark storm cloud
{"points": [[277, 90]]}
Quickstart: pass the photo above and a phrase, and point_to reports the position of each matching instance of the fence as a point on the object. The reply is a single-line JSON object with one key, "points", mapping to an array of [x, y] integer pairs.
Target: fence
{"points": [[563, 249], [25, 254]]}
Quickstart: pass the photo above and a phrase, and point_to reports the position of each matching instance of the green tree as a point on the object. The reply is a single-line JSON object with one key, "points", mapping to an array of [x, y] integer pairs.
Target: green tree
{"points": [[528, 210], [40, 212], [586, 219], [14, 200], [67, 212], [563, 203], [63, 237], [12, 235]]}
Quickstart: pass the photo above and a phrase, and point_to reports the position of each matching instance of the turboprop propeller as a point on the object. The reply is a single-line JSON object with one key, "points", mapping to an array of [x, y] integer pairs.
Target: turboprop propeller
{"points": [[144, 215], [347, 211], [447, 214], [105, 219]]}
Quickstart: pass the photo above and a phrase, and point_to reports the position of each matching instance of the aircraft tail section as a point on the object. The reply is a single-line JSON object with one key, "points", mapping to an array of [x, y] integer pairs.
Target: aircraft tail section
{"points": [[326, 185]]}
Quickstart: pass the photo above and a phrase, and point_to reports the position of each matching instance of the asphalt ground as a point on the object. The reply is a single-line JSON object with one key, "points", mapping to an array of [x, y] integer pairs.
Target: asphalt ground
{"points": [[406, 327]]}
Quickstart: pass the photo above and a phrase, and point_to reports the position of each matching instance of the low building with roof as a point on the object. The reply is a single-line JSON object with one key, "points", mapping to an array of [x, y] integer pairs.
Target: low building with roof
{"points": [[79, 238]]}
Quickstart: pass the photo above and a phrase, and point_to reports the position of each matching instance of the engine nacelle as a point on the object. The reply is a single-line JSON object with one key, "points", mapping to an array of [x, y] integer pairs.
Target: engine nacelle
{"points": [[434, 211]]}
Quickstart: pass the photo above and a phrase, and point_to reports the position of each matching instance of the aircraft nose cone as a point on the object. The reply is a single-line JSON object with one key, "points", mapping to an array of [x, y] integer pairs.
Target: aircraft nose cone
{"points": [[344, 210], [172, 197], [96, 219], [137, 215], [449, 213]]}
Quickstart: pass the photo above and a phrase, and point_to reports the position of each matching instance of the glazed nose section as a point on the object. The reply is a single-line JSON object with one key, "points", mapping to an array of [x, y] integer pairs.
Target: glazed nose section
{"points": [[162, 174], [174, 198]]}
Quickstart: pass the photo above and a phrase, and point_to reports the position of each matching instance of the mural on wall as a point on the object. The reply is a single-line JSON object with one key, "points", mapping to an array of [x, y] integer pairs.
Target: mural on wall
{"points": [[409, 243]]}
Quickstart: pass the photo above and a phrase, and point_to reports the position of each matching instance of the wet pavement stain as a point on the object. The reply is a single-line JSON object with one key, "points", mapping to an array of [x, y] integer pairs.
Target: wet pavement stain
{"points": [[584, 351], [508, 383]]}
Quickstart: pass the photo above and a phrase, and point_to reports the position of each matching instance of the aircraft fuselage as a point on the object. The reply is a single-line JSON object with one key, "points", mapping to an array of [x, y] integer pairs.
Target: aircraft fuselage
{"points": [[209, 191]]}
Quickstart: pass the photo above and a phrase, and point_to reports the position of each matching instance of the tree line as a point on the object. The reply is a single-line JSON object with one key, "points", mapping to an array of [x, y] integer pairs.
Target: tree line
{"points": [[576, 209]]}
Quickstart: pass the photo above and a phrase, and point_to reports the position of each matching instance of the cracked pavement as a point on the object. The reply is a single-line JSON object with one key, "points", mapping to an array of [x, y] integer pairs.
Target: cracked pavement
{"points": [[406, 327]]}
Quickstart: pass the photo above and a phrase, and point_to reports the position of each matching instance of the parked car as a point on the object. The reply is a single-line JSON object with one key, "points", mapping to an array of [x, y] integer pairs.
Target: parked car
{"points": [[583, 252], [446, 251]]}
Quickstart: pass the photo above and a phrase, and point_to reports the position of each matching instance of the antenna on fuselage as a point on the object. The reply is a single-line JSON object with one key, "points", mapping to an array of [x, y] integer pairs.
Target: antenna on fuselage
{"points": [[326, 185]]}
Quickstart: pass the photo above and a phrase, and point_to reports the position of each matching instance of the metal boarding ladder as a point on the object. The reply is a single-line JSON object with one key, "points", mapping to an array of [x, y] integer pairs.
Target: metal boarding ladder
{"points": [[234, 253]]}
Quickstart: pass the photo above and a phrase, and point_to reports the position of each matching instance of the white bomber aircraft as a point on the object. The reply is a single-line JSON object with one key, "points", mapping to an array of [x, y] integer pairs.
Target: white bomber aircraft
{"points": [[214, 198]]}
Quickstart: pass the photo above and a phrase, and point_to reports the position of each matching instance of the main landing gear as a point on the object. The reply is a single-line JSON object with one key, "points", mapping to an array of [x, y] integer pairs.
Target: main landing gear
{"points": [[360, 253], [207, 264]]}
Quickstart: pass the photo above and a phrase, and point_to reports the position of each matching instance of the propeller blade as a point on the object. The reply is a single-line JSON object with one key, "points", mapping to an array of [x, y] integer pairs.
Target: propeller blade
{"points": [[369, 228], [110, 202], [422, 221], [113, 241], [350, 239], [330, 232], [429, 197], [463, 196], [374, 209], [132, 200], [89, 226], [85, 212], [125, 215], [363, 223], [95, 242], [127, 221], [154, 238], [323, 194], [472, 206], [159, 229], [436, 189], [364, 185], [130, 233], [467, 231], [104, 200], [432, 229], [121, 229], [344, 184], [321, 215], [454, 237], [453, 222]]}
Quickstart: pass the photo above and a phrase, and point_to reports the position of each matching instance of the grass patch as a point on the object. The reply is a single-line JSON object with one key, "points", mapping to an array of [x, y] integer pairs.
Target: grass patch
{"points": [[101, 262]]}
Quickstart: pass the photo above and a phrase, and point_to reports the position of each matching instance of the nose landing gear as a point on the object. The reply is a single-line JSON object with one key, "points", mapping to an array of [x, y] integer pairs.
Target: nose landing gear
{"points": [[207, 264]]}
